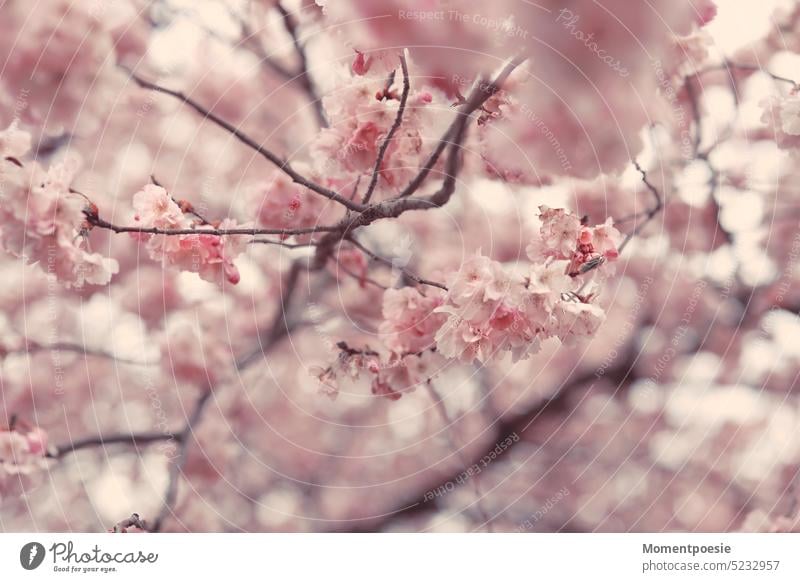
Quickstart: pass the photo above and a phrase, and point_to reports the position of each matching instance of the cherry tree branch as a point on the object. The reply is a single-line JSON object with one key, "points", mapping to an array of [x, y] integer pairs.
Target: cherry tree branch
{"points": [[303, 76], [454, 134], [33, 347], [176, 468], [389, 136], [282, 165], [648, 214], [95, 221], [419, 503], [404, 202], [449, 428], [132, 439], [133, 521], [408, 274], [727, 65]]}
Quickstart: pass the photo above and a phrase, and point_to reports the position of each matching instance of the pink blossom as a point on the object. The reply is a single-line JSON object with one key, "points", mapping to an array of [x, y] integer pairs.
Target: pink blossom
{"points": [[409, 319], [43, 221], [209, 255], [155, 208], [22, 453], [14, 143]]}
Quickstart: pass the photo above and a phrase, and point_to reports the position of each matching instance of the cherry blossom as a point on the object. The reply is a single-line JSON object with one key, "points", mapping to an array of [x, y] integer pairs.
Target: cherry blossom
{"points": [[208, 255], [561, 239]]}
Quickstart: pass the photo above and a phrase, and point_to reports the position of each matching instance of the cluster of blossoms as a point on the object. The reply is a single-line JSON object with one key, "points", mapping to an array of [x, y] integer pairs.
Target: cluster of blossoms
{"points": [[208, 255], [782, 115], [43, 219], [361, 118], [21, 454], [280, 203], [68, 46], [390, 377], [490, 308]]}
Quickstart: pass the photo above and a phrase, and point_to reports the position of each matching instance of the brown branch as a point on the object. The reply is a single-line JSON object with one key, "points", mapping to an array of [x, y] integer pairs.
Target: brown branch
{"points": [[282, 165], [480, 94], [727, 65], [133, 521], [95, 221], [176, 468], [648, 214], [403, 203], [417, 503], [389, 136], [135, 439], [33, 347], [449, 428], [388, 262], [303, 76]]}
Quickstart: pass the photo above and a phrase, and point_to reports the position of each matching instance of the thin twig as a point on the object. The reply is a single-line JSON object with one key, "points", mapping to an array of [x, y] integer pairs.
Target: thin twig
{"points": [[373, 183], [403, 203], [649, 214], [282, 165], [176, 468], [388, 262], [134, 439], [33, 347], [449, 429], [727, 65], [303, 74], [480, 94], [98, 222]]}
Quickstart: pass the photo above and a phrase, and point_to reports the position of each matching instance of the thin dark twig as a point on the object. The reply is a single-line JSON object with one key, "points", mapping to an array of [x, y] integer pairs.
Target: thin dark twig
{"points": [[282, 165], [176, 468], [388, 262], [449, 429], [403, 203], [98, 222], [398, 120], [358, 277], [33, 347], [264, 241], [732, 65], [649, 214], [135, 439], [481, 92], [303, 75]]}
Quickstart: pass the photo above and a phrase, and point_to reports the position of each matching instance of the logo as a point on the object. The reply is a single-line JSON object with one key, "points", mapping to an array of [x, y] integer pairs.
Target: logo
{"points": [[31, 555]]}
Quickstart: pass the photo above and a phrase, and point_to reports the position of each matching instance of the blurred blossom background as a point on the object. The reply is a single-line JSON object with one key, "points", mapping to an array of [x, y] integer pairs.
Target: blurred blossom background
{"points": [[679, 414]]}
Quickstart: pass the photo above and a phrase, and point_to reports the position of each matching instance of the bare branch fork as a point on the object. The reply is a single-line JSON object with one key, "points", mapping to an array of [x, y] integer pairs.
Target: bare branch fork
{"points": [[282, 165], [408, 274], [389, 136], [648, 214], [303, 76]]}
